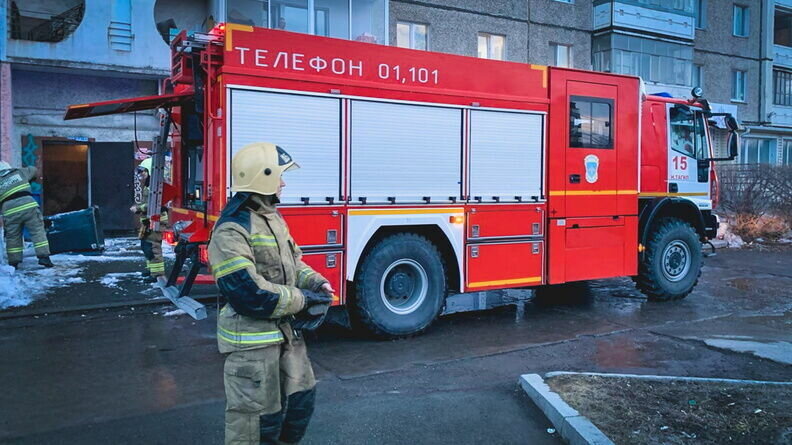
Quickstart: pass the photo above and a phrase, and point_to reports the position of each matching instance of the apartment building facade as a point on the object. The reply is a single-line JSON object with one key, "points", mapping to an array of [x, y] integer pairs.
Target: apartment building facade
{"points": [[59, 52]]}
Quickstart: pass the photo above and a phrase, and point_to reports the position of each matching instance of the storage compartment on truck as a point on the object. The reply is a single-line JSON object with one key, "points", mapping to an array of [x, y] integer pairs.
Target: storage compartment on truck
{"points": [[502, 265]]}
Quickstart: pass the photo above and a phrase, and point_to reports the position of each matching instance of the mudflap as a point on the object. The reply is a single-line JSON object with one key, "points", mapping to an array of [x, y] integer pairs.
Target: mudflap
{"points": [[179, 295]]}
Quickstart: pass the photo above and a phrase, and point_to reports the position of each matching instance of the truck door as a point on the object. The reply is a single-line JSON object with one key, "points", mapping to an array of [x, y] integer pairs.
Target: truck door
{"points": [[592, 176], [591, 169], [688, 173]]}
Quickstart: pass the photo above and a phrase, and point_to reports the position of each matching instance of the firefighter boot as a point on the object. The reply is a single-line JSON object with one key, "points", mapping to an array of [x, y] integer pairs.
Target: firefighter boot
{"points": [[45, 261]]}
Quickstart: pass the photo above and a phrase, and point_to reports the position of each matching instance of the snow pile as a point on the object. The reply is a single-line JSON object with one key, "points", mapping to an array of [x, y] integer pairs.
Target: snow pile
{"points": [[174, 313], [20, 287], [112, 279]]}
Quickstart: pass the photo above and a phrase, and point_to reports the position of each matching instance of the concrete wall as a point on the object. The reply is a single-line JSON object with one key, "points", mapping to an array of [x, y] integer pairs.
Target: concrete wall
{"points": [[453, 29], [720, 52], [89, 47], [560, 23], [40, 100]]}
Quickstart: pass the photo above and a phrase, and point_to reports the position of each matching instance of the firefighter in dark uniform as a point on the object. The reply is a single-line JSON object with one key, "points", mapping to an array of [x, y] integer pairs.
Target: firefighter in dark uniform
{"points": [[272, 296], [21, 211], [150, 239]]}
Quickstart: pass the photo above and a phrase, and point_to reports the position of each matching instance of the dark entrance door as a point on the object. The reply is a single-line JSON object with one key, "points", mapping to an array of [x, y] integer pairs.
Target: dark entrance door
{"points": [[112, 174], [65, 173]]}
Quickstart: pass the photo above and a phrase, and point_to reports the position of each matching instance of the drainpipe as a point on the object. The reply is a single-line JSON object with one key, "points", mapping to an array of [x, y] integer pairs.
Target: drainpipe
{"points": [[766, 52]]}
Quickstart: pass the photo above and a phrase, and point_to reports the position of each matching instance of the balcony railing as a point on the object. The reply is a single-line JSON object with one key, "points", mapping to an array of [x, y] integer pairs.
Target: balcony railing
{"points": [[643, 16], [782, 55]]}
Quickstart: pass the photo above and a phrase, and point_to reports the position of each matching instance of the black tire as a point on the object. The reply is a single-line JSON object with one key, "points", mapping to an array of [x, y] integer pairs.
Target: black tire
{"points": [[672, 262], [395, 264]]}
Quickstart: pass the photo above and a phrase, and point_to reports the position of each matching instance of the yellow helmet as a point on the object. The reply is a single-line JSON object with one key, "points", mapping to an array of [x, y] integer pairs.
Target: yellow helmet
{"points": [[258, 167], [145, 165]]}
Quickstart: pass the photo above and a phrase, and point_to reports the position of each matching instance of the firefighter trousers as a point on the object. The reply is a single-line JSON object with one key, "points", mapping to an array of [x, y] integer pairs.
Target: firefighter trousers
{"points": [[14, 221], [270, 393], [151, 243]]}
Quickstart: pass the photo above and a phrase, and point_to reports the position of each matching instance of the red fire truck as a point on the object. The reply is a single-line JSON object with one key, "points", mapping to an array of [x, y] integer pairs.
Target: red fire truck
{"points": [[427, 176]]}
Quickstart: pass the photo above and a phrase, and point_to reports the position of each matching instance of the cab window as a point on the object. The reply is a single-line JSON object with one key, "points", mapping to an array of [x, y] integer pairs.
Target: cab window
{"points": [[688, 135], [590, 122]]}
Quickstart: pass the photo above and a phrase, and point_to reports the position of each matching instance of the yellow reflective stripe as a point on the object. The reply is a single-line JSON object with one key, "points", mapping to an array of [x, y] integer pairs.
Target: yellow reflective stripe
{"points": [[231, 265], [304, 275], [526, 280], [263, 240], [18, 188], [248, 338], [41, 244], [14, 249], [283, 300], [23, 207]]}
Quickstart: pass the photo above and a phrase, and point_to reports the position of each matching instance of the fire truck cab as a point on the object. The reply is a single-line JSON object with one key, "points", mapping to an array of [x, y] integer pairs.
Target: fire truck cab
{"points": [[428, 175]]}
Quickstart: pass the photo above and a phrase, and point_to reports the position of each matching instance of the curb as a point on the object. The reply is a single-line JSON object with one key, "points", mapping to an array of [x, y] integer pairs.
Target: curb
{"points": [[671, 378], [576, 429]]}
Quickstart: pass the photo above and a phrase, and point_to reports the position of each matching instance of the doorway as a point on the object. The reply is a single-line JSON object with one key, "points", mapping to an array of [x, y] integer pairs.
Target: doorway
{"points": [[65, 177]]}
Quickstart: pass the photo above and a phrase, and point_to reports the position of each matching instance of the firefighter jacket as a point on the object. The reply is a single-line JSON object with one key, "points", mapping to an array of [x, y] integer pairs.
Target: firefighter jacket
{"points": [[258, 268], [15, 192], [142, 207]]}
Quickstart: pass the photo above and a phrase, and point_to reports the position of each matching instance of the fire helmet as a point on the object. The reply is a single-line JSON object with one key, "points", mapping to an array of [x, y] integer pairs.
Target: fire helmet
{"points": [[145, 165], [258, 167]]}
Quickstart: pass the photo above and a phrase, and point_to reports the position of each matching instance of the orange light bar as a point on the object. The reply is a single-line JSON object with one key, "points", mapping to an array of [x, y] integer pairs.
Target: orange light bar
{"points": [[456, 219]]}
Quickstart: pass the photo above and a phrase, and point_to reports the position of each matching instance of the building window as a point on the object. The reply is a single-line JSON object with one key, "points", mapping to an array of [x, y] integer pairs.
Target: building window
{"points": [[698, 76], [738, 86], [787, 153], [562, 55], [758, 151], [782, 29], [411, 35], [742, 18], [782, 87], [590, 122], [701, 13], [361, 20], [654, 60], [491, 46]]}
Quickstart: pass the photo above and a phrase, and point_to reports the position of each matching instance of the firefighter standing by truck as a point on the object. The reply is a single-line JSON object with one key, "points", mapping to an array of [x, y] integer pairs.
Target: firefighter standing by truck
{"points": [[272, 296], [150, 239], [21, 211]]}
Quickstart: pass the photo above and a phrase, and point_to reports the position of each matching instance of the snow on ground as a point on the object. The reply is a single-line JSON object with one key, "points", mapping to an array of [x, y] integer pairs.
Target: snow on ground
{"points": [[174, 313], [20, 287], [112, 279], [31, 281]]}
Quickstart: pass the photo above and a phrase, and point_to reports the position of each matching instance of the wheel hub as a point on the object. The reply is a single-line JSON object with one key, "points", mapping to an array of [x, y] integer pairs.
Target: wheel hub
{"points": [[676, 260], [404, 286]]}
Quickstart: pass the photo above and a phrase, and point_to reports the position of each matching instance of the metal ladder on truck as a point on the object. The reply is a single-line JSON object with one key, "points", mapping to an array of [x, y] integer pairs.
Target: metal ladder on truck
{"points": [[178, 296]]}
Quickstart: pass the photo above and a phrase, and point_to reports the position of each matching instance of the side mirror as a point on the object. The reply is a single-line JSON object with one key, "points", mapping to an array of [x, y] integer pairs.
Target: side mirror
{"points": [[731, 122], [733, 143]]}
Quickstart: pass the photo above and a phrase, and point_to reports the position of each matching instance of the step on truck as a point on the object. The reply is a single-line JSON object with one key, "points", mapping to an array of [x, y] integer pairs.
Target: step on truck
{"points": [[430, 177]]}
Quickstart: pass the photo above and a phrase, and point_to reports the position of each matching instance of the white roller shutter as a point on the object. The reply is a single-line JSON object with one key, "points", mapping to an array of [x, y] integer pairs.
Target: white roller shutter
{"points": [[307, 127], [405, 151], [505, 155]]}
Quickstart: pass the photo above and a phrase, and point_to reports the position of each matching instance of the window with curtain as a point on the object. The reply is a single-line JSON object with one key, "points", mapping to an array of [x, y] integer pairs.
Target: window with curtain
{"points": [[411, 35]]}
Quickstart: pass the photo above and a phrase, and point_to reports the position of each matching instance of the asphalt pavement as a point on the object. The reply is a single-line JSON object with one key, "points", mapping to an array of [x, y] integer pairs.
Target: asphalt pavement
{"points": [[131, 374]]}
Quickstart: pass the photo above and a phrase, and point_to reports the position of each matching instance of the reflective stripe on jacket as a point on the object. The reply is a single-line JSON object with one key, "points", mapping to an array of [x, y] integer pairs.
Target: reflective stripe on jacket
{"points": [[13, 181], [259, 269]]}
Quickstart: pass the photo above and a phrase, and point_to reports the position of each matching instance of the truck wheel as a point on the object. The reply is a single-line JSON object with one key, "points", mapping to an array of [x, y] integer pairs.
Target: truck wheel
{"points": [[400, 287], [672, 262]]}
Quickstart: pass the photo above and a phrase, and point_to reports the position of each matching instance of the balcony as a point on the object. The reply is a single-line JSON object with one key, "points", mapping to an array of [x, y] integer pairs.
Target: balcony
{"points": [[782, 56], [646, 16], [782, 116]]}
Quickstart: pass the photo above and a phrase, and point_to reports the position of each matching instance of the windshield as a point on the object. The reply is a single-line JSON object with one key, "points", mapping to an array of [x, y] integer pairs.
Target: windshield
{"points": [[688, 132]]}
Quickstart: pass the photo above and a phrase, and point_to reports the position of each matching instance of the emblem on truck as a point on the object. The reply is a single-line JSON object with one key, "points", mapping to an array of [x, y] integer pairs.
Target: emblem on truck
{"points": [[591, 162]]}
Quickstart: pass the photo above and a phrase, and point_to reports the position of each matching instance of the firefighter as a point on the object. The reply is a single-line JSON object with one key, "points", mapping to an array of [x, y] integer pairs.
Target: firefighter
{"points": [[272, 296], [20, 211], [150, 240]]}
